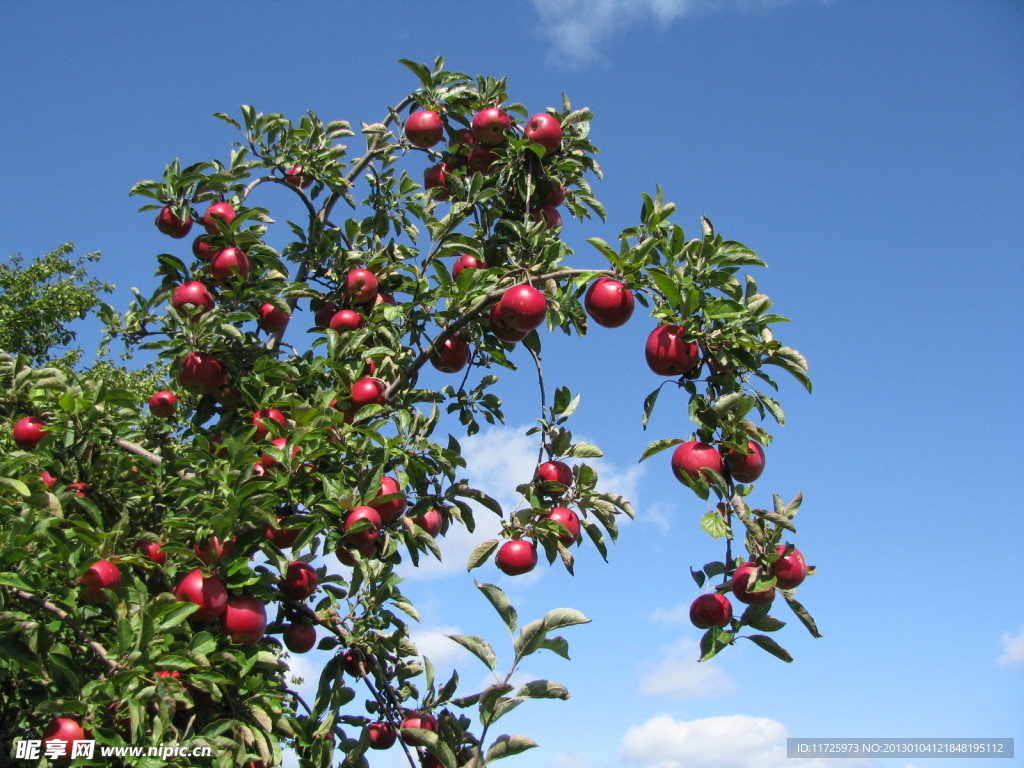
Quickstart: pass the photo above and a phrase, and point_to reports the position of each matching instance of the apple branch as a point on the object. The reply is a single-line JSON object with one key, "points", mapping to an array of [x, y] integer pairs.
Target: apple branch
{"points": [[65, 617], [543, 407]]}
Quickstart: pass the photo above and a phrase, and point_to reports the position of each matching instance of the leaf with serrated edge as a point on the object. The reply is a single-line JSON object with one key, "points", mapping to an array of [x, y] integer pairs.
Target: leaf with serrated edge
{"points": [[501, 604], [505, 746]]}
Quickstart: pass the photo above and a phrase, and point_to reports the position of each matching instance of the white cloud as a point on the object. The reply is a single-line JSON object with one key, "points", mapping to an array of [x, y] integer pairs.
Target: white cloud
{"points": [[440, 649], [570, 760], [1013, 647], [680, 676], [577, 28], [677, 615], [731, 741]]}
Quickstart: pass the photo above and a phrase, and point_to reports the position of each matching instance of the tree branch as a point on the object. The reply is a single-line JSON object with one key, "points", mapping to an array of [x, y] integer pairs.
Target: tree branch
{"points": [[64, 616]]}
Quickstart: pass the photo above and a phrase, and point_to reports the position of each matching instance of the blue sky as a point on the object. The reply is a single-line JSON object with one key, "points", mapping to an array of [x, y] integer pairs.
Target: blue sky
{"points": [[870, 151]]}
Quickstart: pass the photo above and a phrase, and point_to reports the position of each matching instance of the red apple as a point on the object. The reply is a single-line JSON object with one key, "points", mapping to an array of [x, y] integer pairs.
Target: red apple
{"points": [[171, 225], [80, 489], [710, 610], [430, 521], [503, 330], [261, 418], [47, 478], [345, 320], [435, 177], [101, 575], [229, 264], [608, 302], [297, 178], [299, 638], [547, 213], [229, 397], [552, 193], [480, 159], [366, 535], [28, 431], [205, 591], [691, 458], [322, 317], [466, 261], [746, 468], [151, 550], [362, 285], [489, 126], [266, 461], [417, 720], [522, 307], [545, 130], [382, 735], [355, 662], [216, 214], [282, 538], [516, 557], [743, 579], [424, 128], [272, 319], [389, 511], [569, 520], [789, 570], [201, 373], [163, 403], [244, 619], [212, 550], [668, 354], [299, 581], [192, 299], [62, 729], [367, 391], [202, 249], [451, 356], [555, 478]]}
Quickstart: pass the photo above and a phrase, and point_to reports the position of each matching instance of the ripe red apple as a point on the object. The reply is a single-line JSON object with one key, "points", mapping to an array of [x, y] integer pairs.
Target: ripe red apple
{"points": [[345, 320], [382, 735], [282, 538], [367, 535], [201, 373], [322, 317], [609, 302], [691, 458], [451, 356], [151, 550], [66, 730], [261, 418], [244, 619], [266, 461], [668, 354], [789, 570], [171, 225], [480, 159], [229, 264], [212, 550], [545, 130], [516, 557], [163, 404], [272, 319], [552, 193], [567, 518], [383, 297], [367, 391], [389, 511], [522, 307], [28, 431], [299, 581], [362, 285], [430, 521], [47, 478], [218, 212], [489, 126], [192, 299], [101, 575], [547, 213], [424, 128], [710, 610], [205, 591], [355, 662], [417, 720], [743, 579], [80, 489], [202, 249], [503, 330], [299, 638], [435, 177], [466, 261], [555, 478], [297, 178], [746, 468]]}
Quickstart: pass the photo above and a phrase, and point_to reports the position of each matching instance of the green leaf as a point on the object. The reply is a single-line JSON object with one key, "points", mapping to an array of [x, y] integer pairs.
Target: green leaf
{"points": [[529, 638], [174, 615], [720, 308], [801, 613], [543, 689], [658, 446], [17, 485], [714, 525], [713, 641], [481, 553], [501, 604], [584, 451], [506, 746], [478, 647], [776, 650], [563, 617]]}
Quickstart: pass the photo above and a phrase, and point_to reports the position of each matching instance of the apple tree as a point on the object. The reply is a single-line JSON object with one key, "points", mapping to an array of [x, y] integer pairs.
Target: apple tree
{"points": [[164, 557]]}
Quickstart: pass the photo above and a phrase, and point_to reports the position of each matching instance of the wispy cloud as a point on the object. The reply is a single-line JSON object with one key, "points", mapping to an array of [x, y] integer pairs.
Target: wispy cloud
{"points": [[1013, 648], [680, 676], [578, 28]]}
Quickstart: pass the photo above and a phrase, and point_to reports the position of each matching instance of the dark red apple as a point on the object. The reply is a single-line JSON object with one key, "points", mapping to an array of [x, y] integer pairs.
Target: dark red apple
{"points": [[743, 579], [229, 264], [516, 557], [362, 285], [608, 302], [746, 468], [171, 225], [389, 511], [205, 591], [266, 461], [297, 178], [201, 373], [366, 535], [163, 404], [480, 159], [282, 538], [192, 299], [382, 735], [435, 177], [430, 521], [202, 249], [299, 581], [417, 720], [451, 356], [244, 619], [668, 354], [101, 575], [552, 193], [261, 419], [367, 391], [555, 478], [218, 213], [28, 431], [47, 478], [211, 550], [710, 610], [691, 458], [569, 520], [345, 320], [272, 319], [322, 317], [548, 214], [789, 570], [151, 550], [503, 330], [466, 261], [62, 729], [299, 638], [522, 307], [424, 128], [545, 130], [489, 126]]}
